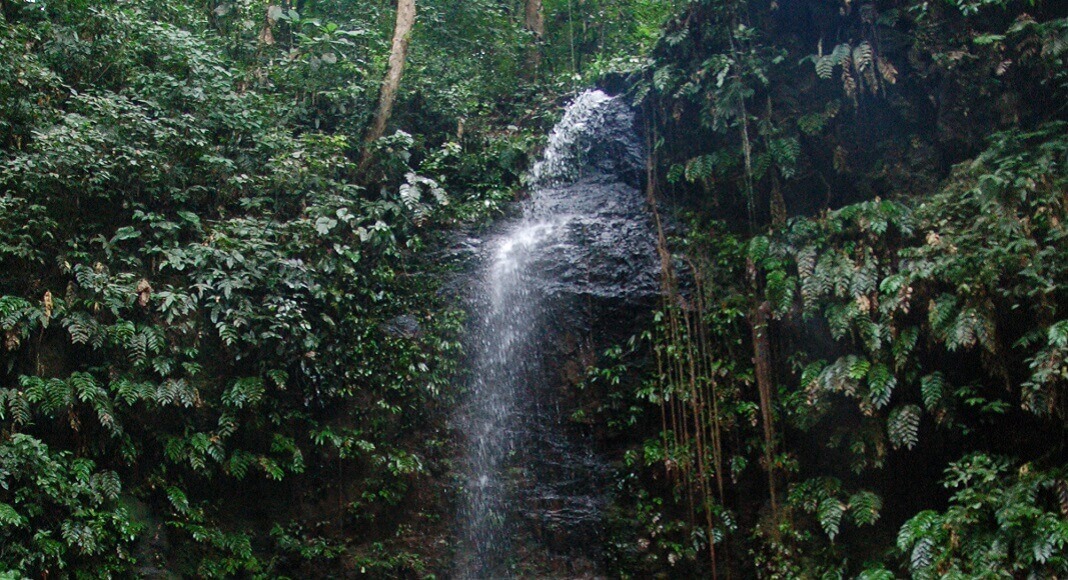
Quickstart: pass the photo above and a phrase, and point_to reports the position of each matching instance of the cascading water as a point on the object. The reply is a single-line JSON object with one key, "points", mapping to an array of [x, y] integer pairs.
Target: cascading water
{"points": [[533, 486]]}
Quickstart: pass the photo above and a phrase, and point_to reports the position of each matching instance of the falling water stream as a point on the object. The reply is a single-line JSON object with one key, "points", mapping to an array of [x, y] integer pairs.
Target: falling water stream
{"points": [[534, 486]]}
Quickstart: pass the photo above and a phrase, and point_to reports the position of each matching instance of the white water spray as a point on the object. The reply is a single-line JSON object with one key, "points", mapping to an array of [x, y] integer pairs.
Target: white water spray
{"points": [[523, 471]]}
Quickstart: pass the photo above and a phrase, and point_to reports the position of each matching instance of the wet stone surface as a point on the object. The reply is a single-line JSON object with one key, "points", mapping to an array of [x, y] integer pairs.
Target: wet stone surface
{"points": [[534, 486]]}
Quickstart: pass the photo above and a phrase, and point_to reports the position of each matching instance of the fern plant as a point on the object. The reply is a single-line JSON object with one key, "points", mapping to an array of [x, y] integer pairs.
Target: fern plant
{"points": [[1004, 519], [862, 70], [60, 512], [832, 506]]}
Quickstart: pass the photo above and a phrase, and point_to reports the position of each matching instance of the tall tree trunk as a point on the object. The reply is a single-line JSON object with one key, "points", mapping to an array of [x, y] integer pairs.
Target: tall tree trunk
{"points": [[398, 54], [762, 363], [534, 21]]}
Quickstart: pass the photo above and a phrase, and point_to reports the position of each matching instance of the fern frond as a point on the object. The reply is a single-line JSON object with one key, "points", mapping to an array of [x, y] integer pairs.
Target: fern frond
{"points": [[841, 54], [941, 313], [700, 169], [107, 484], [872, 333], [245, 392], [810, 375], [933, 388], [871, 80], [825, 66], [176, 392], [830, 515], [865, 277], [881, 383], [877, 574], [410, 196], [903, 426], [843, 376], [10, 517], [759, 246], [849, 84], [676, 173], [921, 556], [1044, 547], [857, 366], [19, 405], [862, 56], [840, 318], [865, 507], [823, 276], [887, 70], [50, 394], [964, 331], [915, 528], [806, 261], [812, 123], [903, 346], [1062, 496], [785, 153]]}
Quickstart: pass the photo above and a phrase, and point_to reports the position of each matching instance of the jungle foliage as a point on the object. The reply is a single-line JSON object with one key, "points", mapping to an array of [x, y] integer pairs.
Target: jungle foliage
{"points": [[859, 367], [227, 346]]}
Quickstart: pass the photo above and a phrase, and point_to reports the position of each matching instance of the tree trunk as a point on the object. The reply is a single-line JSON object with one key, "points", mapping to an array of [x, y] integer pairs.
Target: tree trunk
{"points": [[534, 21], [398, 54], [762, 367]]}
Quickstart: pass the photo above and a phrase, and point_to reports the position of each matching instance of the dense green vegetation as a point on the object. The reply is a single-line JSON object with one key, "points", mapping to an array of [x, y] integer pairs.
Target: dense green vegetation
{"points": [[230, 347], [860, 363], [226, 348]]}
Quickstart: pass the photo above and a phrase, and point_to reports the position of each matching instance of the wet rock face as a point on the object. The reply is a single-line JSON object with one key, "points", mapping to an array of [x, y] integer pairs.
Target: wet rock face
{"points": [[595, 136], [556, 287], [403, 326], [603, 246], [586, 187]]}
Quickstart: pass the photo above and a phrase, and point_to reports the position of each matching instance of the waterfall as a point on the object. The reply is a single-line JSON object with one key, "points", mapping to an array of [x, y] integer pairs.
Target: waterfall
{"points": [[533, 487]]}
